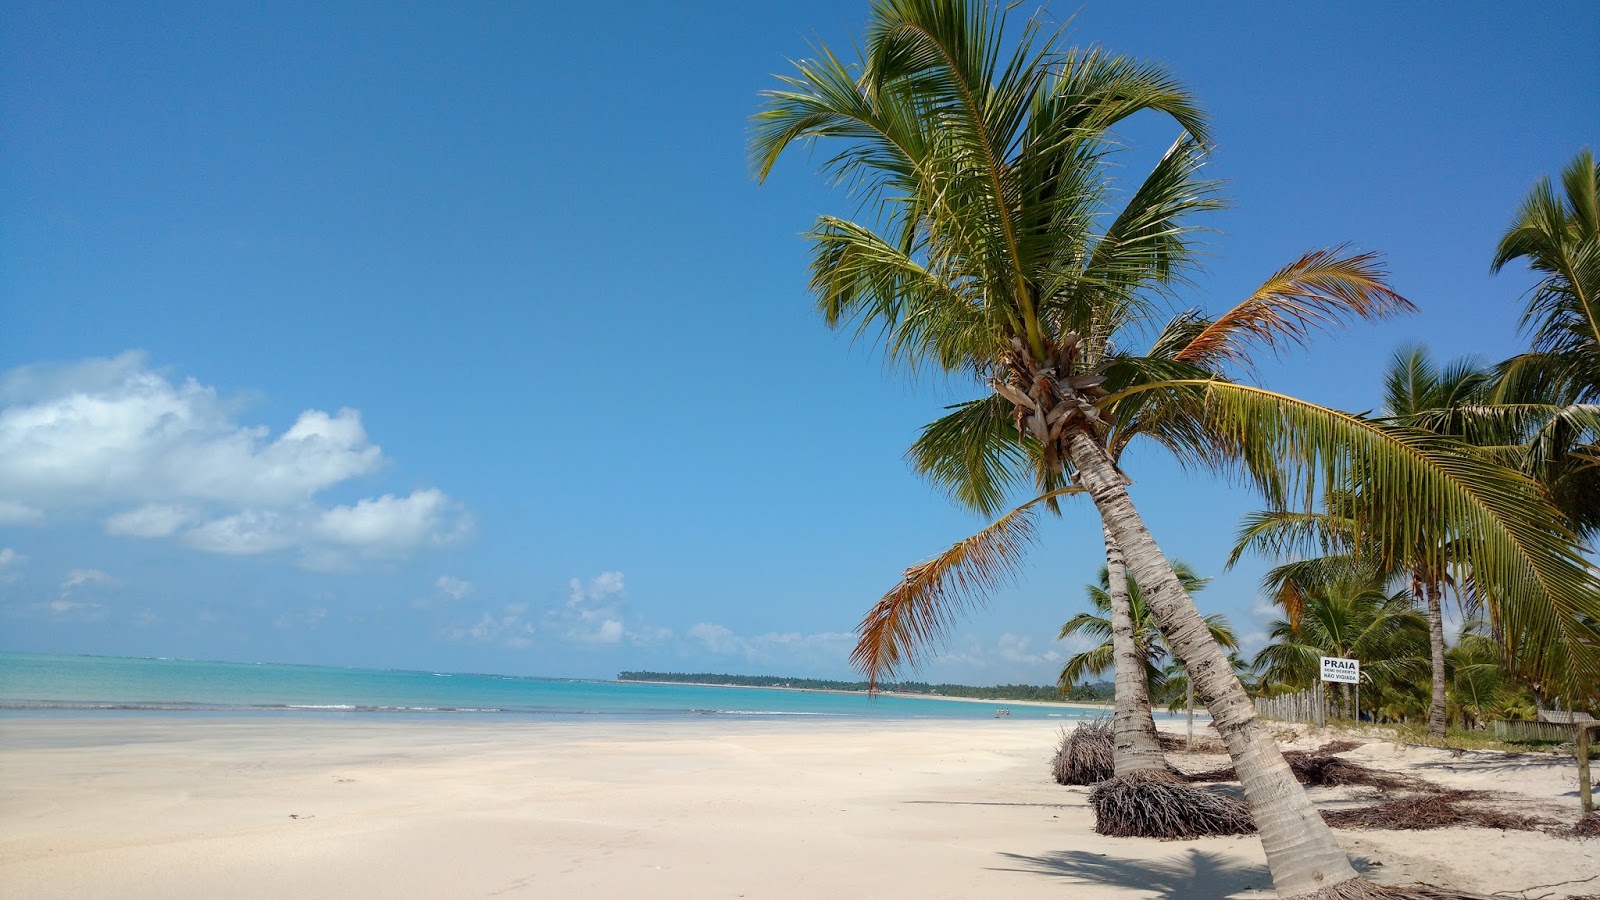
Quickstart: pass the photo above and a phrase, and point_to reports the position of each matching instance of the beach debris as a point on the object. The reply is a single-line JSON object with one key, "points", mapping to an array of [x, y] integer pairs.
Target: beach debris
{"points": [[298, 816], [1086, 755], [1156, 804], [1586, 827], [1439, 809], [1362, 889], [1172, 743], [1321, 769]]}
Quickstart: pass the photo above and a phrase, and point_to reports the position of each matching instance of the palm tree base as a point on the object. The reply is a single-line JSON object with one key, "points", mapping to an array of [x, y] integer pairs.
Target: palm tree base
{"points": [[1158, 804], [1362, 889], [1086, 755]]}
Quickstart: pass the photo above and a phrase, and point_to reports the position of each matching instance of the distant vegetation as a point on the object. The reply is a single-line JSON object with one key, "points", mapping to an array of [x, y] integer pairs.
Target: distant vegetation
{"points": [[1097, 692]]}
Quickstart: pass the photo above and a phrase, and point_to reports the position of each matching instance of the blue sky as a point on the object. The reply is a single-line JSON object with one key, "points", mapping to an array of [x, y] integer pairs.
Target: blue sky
{"points": [[458, 336]]}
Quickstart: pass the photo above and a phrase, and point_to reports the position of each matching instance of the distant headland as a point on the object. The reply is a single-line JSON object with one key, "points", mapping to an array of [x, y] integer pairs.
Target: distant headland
{"points": [[1098, 692]]}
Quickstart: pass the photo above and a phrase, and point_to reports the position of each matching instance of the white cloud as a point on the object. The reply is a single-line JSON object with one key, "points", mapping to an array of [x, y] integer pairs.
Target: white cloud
{"points": [[454, 588], [1012, 648], [14, 512], [153, 520], [824, 648], [80, 577], [508, 627], [388, 523], [308, 618], [446, 591], [594, 611], [64, 607], [716, 638], [168, 459], [10, 558], [69, 604]]}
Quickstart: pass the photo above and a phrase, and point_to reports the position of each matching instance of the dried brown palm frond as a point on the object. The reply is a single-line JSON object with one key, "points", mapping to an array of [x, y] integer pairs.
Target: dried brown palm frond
{"points": [[1159, 805], [920, 610], [1586, 827], [1321, 289], [1323, 770], [1361, 889], [1203, 743], [1422, 812], [1086, 754]]}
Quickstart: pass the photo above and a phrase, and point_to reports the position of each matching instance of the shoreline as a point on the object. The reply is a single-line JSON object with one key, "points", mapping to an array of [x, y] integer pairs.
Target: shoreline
{"points": [[1048, 704]]}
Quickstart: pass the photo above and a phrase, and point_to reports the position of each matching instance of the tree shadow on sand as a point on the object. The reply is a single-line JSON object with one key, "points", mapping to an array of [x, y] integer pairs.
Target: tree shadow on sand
{"points": [[1193, 875]]}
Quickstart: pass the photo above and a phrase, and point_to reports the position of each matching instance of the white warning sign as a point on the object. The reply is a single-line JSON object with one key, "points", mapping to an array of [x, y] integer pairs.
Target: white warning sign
{"points": [[1344, 671]]}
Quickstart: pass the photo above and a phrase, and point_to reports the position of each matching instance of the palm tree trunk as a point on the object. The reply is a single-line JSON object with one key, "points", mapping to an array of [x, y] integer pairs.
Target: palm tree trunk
{"points": [[1133, 730], [1302, 853], [1436, 712]]}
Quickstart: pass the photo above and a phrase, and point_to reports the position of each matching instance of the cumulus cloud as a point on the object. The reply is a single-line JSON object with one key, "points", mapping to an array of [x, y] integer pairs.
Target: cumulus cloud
{"points": [[71, 604], [10, 558], [446, 590], [508, 627], [454, 588], [80, 577], [167, 459], [594, 610], [15, 512], [1012, 648], [823, 648], [153, 520]]}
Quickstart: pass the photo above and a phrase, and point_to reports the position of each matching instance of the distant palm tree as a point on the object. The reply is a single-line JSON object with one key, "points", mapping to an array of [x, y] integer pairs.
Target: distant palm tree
{"points": [[983, 251], [1350, 616], [1148, 642]]}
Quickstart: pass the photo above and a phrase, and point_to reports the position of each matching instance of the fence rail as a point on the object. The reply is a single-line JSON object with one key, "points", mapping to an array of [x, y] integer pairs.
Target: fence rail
{"points": [[1533, 731], [1313, 706]]}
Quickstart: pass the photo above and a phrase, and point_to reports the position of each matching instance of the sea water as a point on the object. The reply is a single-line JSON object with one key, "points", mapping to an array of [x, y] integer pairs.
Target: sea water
{"points": [[40, 684]]}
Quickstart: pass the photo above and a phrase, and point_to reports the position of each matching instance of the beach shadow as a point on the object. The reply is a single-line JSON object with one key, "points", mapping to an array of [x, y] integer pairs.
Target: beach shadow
{"points": [[1193, 874]]}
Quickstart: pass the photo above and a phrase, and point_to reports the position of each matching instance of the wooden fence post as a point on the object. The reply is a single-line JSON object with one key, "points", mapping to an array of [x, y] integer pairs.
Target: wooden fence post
{"points": [[1584, 792]]}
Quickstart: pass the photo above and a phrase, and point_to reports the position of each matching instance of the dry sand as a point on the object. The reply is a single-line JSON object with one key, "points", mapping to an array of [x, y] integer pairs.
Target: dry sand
{"points": [[135, 806]]}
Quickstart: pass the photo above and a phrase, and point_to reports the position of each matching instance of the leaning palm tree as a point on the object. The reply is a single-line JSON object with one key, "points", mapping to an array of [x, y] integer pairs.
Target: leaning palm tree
{"points": [[979, 171], [1151, 647], [1556, 384]]}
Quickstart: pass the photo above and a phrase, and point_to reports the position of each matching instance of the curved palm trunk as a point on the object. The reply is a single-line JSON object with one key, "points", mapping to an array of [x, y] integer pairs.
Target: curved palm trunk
{"points": [[1436, 710], [1301, 851], [1133, 730]]}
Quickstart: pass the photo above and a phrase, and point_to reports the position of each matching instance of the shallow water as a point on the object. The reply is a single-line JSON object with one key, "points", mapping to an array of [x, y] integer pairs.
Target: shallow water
{"points": [[39, 683]]}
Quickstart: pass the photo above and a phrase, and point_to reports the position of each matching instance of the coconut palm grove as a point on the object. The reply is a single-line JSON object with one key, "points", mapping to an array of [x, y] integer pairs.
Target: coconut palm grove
{"points": [[995, 244]]}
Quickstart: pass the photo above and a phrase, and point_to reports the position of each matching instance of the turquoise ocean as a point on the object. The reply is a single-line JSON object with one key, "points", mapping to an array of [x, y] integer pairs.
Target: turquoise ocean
{"points": [[34, 684]]}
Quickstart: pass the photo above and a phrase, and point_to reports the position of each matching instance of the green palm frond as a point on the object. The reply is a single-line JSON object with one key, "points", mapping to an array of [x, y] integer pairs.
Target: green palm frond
{"points": [[1282, 532], [1558, 234], [973, 454], [1435, 492]]}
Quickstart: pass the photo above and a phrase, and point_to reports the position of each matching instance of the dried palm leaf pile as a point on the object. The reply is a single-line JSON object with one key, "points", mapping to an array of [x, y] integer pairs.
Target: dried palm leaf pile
{"points": [[1086, 755], [1177, 743], [1588, 826], [1158, 805], [1321, 768], [1440, 809], [1361, 889]]}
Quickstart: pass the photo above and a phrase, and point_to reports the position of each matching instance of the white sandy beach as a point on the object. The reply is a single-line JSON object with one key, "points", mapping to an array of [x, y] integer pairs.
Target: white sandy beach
{"points": [[132, 807]]}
